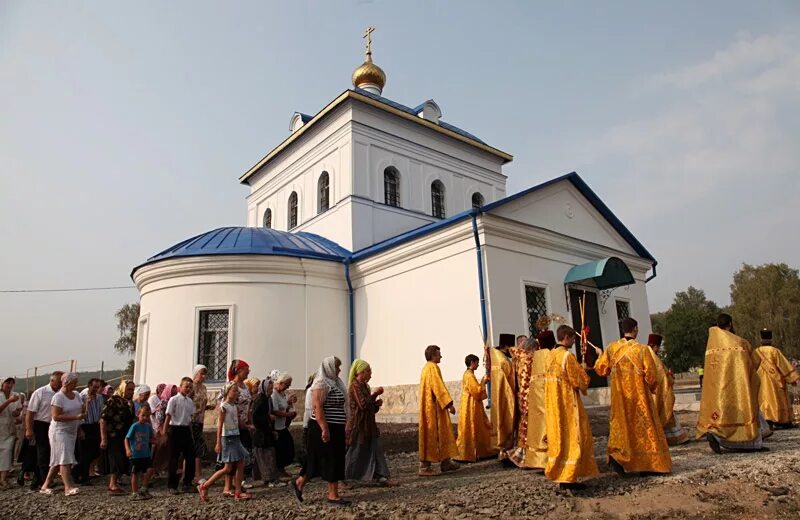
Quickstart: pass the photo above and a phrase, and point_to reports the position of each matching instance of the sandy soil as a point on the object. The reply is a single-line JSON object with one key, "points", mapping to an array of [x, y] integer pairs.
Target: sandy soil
{"points": [[702, 486]]}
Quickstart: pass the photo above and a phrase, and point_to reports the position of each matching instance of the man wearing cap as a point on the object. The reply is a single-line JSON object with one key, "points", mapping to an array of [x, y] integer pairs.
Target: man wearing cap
{"points": [[636, 440], [503, 394], [664, 397], [729, 416], [774, 373]]}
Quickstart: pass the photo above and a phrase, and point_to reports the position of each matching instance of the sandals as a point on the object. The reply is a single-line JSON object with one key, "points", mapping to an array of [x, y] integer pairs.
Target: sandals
{"points": [[71, 492], [340, 501], [47, 491], [203, 493], [297, 491], [242, 496]]}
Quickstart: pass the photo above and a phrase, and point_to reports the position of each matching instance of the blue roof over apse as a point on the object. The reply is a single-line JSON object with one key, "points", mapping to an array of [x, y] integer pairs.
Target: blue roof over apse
{"points": [[253, 241], [414, 112]]}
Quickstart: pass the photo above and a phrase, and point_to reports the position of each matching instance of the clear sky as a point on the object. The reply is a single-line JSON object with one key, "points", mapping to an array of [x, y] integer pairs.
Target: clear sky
{"points": [[124, 128]]}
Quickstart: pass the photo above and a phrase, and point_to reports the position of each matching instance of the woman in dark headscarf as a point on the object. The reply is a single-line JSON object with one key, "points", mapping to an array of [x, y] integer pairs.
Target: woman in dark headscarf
{"points": [[264, 436], [365, 460]]}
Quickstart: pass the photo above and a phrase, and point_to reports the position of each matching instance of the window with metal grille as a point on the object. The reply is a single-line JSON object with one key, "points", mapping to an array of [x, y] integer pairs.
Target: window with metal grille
{"points": [[477, 200], [212, 348], [623, 311], [268, 218], [391, 187], [323, 191], [437, 199], [292, 210], [536, 303]]}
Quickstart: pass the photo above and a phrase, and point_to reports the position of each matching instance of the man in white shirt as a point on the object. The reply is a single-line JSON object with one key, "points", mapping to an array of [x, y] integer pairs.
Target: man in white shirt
{"points": [[180, 409], [37, 425]]}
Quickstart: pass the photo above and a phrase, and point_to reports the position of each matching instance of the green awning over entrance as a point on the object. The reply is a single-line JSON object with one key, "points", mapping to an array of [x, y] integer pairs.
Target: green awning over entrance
{"points": [[603, 274]]}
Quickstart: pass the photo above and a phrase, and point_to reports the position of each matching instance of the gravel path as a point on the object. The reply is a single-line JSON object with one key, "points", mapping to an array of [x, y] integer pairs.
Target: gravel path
{"points": [[703, 485]]}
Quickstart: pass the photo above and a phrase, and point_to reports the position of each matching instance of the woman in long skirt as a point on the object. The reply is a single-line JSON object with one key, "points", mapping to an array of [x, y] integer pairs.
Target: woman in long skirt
{"points": [[365, 460]]}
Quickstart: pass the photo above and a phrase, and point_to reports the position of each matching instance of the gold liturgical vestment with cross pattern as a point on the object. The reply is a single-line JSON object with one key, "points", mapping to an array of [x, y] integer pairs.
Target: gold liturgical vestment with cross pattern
{"points": [[570, 450], [636, 437], [729, 404], [774, 373], [436, 440]]}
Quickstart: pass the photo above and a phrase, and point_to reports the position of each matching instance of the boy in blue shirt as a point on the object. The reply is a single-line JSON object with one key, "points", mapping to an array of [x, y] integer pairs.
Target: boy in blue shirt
{"points": [[138, 445]]}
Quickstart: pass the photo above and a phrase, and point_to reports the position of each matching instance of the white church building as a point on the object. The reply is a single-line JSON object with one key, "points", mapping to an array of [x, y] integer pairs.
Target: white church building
{"points": [[373, 230]]}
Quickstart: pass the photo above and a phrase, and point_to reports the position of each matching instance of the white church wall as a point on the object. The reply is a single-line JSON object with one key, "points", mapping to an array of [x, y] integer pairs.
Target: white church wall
{"points": [[518, 254], [416, 295], [563, 209], [286, 313]]}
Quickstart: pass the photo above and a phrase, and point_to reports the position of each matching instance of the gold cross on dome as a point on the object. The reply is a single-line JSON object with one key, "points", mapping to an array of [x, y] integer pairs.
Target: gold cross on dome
{"points": [[368, 36]]}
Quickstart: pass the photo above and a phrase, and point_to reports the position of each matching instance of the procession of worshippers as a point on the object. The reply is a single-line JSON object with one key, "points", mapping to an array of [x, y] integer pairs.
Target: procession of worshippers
{"points": [[536, 419]]}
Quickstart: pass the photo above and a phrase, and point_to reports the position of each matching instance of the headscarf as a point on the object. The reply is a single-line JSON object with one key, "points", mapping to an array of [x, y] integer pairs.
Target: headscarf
{"points": [[274, 375], [68, 377], [197, 369], [121, 388], [358, 366], [252, 384], [262, 387], [160, 388], [141, 389], [164, 397], [108, 391], [326, 376], [282, 377], [236, 365]]}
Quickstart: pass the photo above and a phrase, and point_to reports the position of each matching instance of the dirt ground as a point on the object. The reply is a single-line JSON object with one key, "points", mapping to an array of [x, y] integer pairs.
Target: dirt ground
{"points": [[702, 486]]}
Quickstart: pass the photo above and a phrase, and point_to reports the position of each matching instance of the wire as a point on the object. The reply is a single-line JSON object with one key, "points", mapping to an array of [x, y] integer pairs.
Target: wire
{"points": [[77, 289]]}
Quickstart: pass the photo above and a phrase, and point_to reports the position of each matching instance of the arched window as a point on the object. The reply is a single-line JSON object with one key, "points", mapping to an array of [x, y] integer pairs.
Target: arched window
{"points": [[477, 200], [268, 218], [437, 199], [391, 186], [293, 210], [323, 192]]}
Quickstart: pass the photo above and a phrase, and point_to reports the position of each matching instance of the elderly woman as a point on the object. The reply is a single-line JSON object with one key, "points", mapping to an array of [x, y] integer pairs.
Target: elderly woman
{"points": [[326, 432], [67, 412], [264, 436], [115, 421], [283, 414], [141, 396], [10, 409], [365, 459]]}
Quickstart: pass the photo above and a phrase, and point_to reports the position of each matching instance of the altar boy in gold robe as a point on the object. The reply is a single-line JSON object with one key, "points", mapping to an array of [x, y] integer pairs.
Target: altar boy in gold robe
{"points": [[774, 373], [664, 397], [570, 452], [474, 430], [436, 440]]}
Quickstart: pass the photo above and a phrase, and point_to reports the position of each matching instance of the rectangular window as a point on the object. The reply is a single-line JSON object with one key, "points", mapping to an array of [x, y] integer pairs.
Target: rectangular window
{"points": [[623, 311], [212, 348], [536, 303]]}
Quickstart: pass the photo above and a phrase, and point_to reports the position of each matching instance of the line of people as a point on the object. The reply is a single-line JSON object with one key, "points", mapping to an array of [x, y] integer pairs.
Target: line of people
{"points": [[538, 420]]}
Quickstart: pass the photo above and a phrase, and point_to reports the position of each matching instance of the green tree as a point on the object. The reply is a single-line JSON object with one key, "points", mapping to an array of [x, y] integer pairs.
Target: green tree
{"points": [[127, 324], [685, 329], [767, 296]]}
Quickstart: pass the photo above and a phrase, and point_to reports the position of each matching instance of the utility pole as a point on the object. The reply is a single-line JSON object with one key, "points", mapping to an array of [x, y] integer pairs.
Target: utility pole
{"points": [[102, 371]]}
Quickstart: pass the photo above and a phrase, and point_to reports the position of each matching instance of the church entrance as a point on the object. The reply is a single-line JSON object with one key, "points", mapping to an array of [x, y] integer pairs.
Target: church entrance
{"points": [[592, 320]]}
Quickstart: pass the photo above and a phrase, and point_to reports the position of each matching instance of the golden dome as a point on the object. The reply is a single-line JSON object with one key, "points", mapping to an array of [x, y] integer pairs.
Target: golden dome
{"points": [[369, 75]]}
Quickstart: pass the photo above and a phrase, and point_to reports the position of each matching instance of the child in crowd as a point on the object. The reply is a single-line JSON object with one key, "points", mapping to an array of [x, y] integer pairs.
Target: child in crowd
{"points": [[229, 446], [138, 443]]}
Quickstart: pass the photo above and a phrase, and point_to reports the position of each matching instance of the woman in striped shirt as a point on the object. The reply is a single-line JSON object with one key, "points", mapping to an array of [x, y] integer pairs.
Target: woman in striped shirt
{"points": [[326, 432]]}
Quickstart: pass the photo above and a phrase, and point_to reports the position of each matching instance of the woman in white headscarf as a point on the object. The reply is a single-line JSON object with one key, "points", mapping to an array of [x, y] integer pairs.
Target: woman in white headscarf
{"points": [[67, 413], [326, 432], [141, 395]]}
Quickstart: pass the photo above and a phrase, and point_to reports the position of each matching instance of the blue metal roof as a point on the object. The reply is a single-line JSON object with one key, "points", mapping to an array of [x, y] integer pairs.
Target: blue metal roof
{"points": [[572, 177], [253, 241], [415, 111]]}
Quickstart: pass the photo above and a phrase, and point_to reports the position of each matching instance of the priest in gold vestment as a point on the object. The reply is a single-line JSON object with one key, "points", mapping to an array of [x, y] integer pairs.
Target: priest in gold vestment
{"points": [[664, 398], [570, 451], [774, 373], [530, 363], [636, 440], [503, 393], [436, 440], [474, 430], [729, 415]]}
